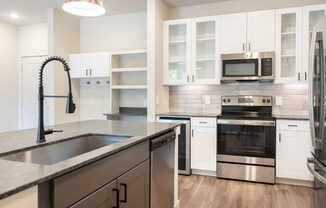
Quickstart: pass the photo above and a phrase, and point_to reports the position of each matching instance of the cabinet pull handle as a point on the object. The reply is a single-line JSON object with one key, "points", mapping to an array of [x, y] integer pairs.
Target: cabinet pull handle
{"points": [[249, 46], [292, 125], [305, 76], [299, 76], [243, 47], [86, 72], [203, 122], [117, 197], [188, 78], [125, 192], [193, 78], [279, 137], [192, 133]]}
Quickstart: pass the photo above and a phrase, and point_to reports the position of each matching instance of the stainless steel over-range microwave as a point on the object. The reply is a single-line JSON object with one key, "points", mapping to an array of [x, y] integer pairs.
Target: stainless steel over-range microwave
{"points": [[253, 66]]}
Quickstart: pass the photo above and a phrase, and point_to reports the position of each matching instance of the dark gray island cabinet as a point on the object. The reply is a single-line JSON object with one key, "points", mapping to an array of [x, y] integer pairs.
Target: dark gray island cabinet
{"points": [[119, 181]]}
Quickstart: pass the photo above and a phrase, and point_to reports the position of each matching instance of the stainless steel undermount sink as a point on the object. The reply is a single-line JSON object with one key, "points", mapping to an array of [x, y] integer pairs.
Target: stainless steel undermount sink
{"points": [[54, 153]]}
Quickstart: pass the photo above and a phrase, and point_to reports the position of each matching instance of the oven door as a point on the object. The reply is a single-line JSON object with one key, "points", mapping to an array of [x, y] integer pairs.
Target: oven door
{"points": [[246, 141], [240, 69]]}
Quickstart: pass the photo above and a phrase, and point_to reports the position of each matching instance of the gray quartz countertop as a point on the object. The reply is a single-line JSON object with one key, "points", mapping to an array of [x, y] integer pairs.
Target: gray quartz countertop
{"points": [[291, 117], [18, 176], [189, 114]]}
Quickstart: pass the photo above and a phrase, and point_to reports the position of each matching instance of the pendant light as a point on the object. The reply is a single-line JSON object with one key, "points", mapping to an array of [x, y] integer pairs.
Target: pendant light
{"points": [[84, 8]]}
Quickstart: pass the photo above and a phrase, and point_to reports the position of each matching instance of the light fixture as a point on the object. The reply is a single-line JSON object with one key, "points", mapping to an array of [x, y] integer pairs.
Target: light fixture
{"points": [[85, 8], [14, 15]]}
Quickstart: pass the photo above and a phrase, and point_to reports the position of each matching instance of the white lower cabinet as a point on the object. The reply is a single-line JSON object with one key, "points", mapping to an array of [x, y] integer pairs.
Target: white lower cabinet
{"points": [[293, 147], [203, 143]]}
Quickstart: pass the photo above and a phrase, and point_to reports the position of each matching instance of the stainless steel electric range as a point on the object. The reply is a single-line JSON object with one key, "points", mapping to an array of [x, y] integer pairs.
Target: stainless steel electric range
{"points": [[246, 141]]}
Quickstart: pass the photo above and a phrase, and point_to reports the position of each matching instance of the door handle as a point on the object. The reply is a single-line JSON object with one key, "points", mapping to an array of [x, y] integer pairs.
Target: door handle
{"points": [[86, 72], [299, 76], [125, 193], [249, 44], [305, 76], [192, 133], [243, 47], [117, 197], [280, 138]]}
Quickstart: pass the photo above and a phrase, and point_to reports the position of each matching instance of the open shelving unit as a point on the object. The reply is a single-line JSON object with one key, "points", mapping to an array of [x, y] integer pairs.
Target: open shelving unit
{"points": [[128, 80]]}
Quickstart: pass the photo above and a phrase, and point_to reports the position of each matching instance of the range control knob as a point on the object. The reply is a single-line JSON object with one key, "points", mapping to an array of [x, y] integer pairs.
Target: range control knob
{"points": [[264, 101], [268, 101], [229, 100], [224, 100]]}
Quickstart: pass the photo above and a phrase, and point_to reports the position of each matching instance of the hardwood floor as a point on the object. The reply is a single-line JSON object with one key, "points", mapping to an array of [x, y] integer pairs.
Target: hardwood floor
{"points": [[210, 192]]}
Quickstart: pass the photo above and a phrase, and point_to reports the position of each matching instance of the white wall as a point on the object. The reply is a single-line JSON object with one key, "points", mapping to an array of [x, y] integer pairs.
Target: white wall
{"points": [[33, 40], [234, 6], [9, 75], [113, 33]]}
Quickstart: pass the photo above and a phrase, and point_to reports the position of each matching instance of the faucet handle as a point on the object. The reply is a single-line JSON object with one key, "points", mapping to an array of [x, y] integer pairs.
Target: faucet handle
{"points": [[51, 131]]}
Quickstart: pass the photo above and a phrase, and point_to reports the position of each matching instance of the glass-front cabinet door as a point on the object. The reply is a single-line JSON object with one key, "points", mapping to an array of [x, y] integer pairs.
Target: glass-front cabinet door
{"points": [[204, 54], [177, 51], [311, 16], [289, 45]]}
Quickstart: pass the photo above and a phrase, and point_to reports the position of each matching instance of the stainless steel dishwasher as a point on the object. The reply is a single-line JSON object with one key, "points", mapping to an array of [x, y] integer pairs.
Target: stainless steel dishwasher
{"points": [[162, 171]]}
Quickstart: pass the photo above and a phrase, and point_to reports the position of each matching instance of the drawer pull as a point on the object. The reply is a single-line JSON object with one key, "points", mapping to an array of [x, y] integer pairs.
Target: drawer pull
{"points": [[202, 122], [118, 197], [292, 125], [125, 193]]}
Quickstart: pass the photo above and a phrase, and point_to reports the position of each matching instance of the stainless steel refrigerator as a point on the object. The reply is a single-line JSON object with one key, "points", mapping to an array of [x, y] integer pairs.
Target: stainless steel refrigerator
{"points": [[317, 110]]}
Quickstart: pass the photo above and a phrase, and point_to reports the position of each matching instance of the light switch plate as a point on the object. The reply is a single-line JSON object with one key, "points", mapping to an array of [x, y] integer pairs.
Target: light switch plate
{"points": [[278, 100]]}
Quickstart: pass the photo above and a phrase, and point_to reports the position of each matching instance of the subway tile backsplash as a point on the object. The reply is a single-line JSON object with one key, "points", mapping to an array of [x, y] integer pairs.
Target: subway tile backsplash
{"points": [[191, 98]]}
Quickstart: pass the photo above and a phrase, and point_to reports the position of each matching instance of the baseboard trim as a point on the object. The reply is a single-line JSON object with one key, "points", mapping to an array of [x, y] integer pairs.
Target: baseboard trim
{"points": [[177, 205], [203, 172], [295, 182]]}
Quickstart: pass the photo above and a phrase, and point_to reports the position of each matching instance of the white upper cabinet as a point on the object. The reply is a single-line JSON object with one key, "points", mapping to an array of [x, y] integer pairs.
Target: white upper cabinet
{"points": [[205, 62], [177, 52], [233, 33], [90, 65], [261, 31], [311, 16], [289, 35]]}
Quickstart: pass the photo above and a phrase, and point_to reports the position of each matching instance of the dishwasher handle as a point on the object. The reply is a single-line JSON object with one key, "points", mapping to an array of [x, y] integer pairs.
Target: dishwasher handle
{"points": [[162, 140]]}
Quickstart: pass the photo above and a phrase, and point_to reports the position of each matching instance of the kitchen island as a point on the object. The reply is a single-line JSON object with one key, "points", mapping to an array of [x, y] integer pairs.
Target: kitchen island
{"points": [[17, 177]]}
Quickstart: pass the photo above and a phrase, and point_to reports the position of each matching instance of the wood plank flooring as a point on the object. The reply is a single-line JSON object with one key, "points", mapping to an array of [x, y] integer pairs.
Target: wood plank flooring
{"points": [[210, 192]]}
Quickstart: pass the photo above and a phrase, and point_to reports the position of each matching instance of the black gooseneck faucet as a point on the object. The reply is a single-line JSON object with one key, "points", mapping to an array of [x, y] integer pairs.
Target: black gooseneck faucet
{"points": [[70, 107]]}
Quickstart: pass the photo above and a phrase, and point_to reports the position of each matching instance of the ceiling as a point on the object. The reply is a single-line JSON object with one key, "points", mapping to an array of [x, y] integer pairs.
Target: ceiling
{"points": [[35, 11]]}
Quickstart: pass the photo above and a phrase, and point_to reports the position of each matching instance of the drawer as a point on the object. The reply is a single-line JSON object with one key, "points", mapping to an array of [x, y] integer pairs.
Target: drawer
{"points": [[203, 122], [292, 125], [74, 186]]}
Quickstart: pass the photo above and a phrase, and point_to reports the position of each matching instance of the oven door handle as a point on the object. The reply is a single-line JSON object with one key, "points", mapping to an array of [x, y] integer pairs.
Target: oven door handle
{"points": [[245, 122]]}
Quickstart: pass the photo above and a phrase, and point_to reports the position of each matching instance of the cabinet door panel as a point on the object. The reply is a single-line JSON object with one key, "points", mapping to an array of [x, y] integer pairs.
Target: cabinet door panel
{"points": [[203, 148], [292, 150], [103, 198], [233, 33], [261, 31], [177, 51], [134, 187], [76, 66], [100, 64]]}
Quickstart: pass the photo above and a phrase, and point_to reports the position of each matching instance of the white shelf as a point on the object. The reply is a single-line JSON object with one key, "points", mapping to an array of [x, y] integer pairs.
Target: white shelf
{"points": [[121, 87], [127, 52], [130, 69]]}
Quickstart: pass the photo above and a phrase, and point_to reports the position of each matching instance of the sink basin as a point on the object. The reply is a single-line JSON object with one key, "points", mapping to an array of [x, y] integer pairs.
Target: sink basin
{"points": [[53, 153]]}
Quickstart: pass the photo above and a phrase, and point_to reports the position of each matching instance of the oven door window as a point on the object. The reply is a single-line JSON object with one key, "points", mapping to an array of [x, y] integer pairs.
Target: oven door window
{"points": [[240, 68], [249, 141]]}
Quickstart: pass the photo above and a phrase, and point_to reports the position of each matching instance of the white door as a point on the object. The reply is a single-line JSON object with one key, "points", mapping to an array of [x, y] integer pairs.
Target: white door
{"points": [[75, 66], [233, 33], [292, 150], [311, 16], [100, 64], [261, 31], [289, 38], [204, 53], [177, 52], [203, 148], [29, 92]]}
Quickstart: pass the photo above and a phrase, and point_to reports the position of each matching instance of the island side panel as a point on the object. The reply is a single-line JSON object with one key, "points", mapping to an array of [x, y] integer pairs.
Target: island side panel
{"points": [[176, 169], [27, 198]]}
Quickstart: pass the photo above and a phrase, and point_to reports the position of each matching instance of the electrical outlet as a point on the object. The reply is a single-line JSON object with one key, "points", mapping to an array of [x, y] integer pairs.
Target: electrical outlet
{"points": [[207, 100], [278, 100]]}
